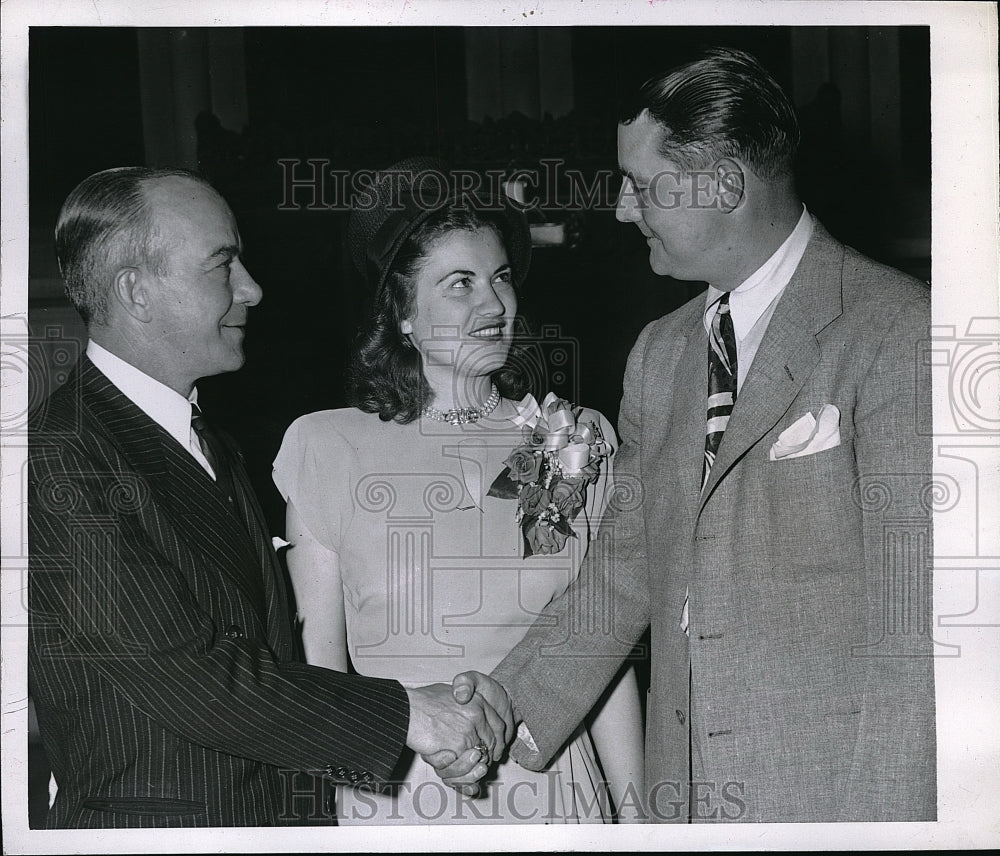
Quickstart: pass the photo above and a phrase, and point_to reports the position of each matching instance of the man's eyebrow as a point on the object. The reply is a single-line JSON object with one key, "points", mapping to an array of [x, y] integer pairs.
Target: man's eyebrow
{"points": [[230, 251]]}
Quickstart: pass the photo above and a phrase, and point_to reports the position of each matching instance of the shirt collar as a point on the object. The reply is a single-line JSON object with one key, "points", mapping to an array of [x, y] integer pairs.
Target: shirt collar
{"points": [[751, 297], [167, 408]]}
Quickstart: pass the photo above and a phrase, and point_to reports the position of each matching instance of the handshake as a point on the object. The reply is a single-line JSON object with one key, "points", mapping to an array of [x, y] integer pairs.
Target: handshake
{"points": [[461, 729]]}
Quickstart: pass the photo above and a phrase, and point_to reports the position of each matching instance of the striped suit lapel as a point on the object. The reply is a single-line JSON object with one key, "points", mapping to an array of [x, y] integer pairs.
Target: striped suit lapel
{"points": [[184, 491], [279, 619]]}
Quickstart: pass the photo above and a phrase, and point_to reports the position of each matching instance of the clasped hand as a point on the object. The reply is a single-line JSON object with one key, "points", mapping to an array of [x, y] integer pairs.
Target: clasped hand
{"points": [[449, 724]]}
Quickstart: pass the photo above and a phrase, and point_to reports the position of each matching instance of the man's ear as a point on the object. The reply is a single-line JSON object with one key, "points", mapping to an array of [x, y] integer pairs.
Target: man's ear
{"points": [[131, 291], [405, 327], [731, 183]]}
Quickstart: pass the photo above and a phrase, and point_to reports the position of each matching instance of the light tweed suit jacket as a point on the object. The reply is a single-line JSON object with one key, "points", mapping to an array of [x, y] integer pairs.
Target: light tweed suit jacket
{"points": [[804, 690], [160, 637]]}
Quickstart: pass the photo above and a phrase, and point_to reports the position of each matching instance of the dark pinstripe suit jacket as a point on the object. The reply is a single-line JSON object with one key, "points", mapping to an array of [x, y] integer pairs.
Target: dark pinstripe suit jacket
{"points": [[160, 653]]}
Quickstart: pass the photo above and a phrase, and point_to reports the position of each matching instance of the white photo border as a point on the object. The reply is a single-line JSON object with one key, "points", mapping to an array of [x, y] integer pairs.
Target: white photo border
{"points": [[963, 38]]}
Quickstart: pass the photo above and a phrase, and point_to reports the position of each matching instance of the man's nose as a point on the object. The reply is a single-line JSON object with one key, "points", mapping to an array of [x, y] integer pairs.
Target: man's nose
{"points": [[627, 207], [245, 288]]}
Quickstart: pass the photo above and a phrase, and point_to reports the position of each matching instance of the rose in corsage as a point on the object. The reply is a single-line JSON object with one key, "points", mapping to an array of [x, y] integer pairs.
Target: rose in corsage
{"points": [[525, 465], [534, 500], [544, 540], [568, 496], [533, 436]]}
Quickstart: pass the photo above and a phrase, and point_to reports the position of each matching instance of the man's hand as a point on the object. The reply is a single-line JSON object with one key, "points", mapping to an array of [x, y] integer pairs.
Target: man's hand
{"points": [[467, 685], [463, 771], [439, 723]]}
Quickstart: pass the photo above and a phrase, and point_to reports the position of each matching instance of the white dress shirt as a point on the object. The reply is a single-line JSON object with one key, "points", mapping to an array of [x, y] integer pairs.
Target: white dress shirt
{"points": [[167, 408], [752, 302]]}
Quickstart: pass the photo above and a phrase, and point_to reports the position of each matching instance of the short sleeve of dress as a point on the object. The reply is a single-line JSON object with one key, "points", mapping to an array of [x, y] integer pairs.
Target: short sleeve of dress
{"points": [[313, 471]]}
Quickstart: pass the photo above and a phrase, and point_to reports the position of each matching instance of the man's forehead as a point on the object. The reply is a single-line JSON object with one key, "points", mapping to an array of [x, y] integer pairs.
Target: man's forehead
{"points": [[184, 207], [176, 192], [639, 146]]}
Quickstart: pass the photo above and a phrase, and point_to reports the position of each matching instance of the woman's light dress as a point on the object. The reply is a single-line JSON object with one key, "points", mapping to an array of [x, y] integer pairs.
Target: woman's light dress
{"points": [[435, 584]]}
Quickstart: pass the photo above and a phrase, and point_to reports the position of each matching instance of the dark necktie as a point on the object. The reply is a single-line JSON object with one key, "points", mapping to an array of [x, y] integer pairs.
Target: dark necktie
{"points": [[721, 382], [214, 451]]}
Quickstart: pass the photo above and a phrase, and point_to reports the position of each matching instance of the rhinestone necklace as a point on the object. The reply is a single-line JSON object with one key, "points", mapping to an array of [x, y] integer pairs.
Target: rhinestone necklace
{"points": [[464, 415]]}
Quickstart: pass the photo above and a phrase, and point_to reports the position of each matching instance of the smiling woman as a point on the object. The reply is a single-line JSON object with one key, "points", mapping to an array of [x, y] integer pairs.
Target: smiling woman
{"points": [[443, 271], [407, 554], [463, 291]]}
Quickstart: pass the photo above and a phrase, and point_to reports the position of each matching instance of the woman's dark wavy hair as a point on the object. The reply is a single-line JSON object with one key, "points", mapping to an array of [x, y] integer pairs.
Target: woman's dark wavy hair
{"points": [[386, 374]]}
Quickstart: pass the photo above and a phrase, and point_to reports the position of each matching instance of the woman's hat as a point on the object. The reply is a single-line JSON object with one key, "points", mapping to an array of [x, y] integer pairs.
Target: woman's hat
{"points": [[400, 198]]}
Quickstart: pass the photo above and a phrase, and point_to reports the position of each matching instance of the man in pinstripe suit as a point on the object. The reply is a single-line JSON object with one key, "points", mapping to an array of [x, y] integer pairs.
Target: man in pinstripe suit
{"points": [[161, 653]]}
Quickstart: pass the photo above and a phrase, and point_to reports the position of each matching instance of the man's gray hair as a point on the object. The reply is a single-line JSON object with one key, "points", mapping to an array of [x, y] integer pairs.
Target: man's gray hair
{"points": [[106, 225]]}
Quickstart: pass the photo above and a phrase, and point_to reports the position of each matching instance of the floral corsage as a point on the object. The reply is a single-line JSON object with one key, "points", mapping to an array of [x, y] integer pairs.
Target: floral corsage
{"points": [[548, 474]]}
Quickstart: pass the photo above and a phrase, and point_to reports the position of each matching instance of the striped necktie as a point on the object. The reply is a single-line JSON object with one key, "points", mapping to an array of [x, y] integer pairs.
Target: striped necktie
{"points": [[721, 382], [721, 397]]}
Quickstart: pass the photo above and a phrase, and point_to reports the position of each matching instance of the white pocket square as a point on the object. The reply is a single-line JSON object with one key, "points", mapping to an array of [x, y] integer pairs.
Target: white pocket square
{"points": [[808, 435], [278, 543]]}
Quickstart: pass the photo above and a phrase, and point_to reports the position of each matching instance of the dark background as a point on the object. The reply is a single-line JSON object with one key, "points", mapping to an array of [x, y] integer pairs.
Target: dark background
{"points": [[234, 102], [362, 98]]}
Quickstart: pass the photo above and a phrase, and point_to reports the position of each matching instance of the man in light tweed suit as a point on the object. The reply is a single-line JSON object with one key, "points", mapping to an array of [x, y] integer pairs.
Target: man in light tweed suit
{"points": [[160, 642], [779, 540]]}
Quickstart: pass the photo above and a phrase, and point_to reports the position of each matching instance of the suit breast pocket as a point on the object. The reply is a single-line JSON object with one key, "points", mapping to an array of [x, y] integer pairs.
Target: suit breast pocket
{"points": [[813, 517]]}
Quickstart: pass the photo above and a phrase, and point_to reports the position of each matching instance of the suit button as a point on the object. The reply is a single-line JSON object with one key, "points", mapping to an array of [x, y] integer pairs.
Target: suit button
{"points": [[367, 776], [341, 772], [681, 718], [354, 777], [234, 631]]}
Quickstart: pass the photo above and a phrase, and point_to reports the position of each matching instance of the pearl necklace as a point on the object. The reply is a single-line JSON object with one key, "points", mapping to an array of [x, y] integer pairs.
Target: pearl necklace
{"points": [[464, 415]]}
